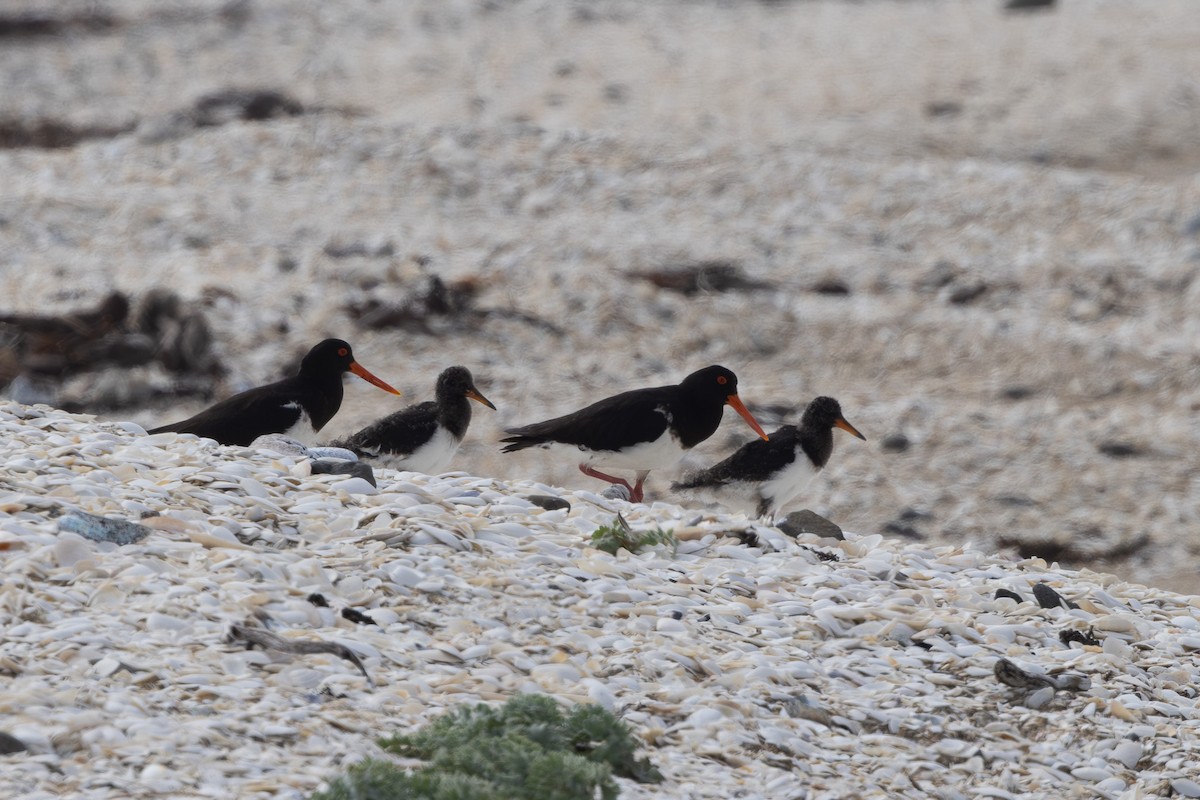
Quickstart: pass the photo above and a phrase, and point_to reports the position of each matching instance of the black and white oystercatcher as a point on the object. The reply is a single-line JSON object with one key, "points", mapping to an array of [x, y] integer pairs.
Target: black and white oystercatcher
{"points": [[423, 437], [298, 406], [762, 477], [642, 429]]}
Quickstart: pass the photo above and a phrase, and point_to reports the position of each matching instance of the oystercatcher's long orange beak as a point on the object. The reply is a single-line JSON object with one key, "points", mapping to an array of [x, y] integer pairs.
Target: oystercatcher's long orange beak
{"points": [[848, 428], [477, 396], [361, 371], [736, 403]]}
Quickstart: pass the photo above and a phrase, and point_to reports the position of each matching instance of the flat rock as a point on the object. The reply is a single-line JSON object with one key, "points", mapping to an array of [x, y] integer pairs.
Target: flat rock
{"points": [[799, 522]]}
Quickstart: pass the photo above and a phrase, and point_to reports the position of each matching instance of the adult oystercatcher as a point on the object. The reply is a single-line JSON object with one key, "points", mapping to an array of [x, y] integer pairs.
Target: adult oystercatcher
{"points": [[642, 429], [298, 406], [423, 437], [762, 477]]}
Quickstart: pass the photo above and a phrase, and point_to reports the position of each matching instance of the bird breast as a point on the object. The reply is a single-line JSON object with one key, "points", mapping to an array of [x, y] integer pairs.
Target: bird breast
{"points": [[789, 482]]}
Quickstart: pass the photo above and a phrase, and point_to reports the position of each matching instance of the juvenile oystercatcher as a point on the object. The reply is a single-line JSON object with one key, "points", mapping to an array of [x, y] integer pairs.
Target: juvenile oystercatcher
{"points": [[298, 406], [642, 429], [423, 437], [762, 477]]}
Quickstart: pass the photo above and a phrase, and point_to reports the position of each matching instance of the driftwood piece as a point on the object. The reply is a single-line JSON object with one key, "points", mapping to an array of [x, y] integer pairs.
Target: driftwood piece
{"points": [[64, 343], [1010, 674], [701, 277], [254, 636], [40, 353]]}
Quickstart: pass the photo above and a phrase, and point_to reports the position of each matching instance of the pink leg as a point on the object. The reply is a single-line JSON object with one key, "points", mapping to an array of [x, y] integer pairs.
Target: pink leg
{"points": [[636, 494], [586, 470]]}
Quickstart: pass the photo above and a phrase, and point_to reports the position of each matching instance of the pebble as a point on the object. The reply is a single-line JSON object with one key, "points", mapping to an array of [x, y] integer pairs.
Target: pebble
{"points": [[340, 453], [102, 529]]}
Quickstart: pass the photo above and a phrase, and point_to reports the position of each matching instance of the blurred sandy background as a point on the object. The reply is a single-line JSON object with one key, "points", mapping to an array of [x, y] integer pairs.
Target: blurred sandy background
{"points": [[978, 229]]}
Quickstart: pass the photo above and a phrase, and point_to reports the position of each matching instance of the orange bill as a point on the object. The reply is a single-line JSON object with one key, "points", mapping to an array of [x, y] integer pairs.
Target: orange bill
{"points": [[361, 371], [848, 428], [477, 396], [736, 403]]}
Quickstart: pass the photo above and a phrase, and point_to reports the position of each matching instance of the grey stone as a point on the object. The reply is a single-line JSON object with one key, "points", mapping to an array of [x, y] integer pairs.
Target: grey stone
{"points": [[806, 521]]}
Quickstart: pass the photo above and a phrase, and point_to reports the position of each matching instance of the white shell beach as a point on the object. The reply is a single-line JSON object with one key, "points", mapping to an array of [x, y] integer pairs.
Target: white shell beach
{"points": [[792, 668]]}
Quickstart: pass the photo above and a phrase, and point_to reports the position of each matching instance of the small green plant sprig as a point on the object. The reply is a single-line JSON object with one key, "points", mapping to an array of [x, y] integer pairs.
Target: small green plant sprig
{"points": [[525, 750], [611, 538]]}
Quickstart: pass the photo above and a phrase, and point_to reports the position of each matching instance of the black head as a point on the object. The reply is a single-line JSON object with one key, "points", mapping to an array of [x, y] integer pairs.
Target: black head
{"points": [[456, 382], [717, 384], [332, 357], [711, 381], [825, 413]]}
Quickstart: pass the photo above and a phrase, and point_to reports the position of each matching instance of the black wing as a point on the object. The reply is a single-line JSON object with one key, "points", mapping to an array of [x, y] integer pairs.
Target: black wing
{"points": [[754, 461], [613, 423], [244, 417], [400, 434]]}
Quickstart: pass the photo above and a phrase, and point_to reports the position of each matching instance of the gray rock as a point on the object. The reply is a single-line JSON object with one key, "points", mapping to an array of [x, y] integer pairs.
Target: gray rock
{"points": [[10, 744], [332, 452], [806, 521], [278, 443], [102, 529], [616, 492], [357, 469], [1119, 449]]}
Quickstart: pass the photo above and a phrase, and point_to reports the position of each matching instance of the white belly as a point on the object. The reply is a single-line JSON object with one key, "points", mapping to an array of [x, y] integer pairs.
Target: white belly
{"points": [[302, 430], [663, 452], [739, 496], [431, 458]]}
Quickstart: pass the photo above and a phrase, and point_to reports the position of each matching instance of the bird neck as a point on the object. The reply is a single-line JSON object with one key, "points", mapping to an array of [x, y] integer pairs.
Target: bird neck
{"points": [[695, 422], [817, 444], [323, 397], [454, 414]]}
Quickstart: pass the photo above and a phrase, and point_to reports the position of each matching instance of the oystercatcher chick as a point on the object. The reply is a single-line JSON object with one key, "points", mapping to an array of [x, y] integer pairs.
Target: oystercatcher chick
{"points": [[640, 430], [298, 406], [423, 437], [763, 477]]}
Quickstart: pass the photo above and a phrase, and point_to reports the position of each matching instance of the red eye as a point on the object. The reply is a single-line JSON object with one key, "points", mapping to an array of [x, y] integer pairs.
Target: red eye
{"points": [[721, 379], [343, 351]]}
